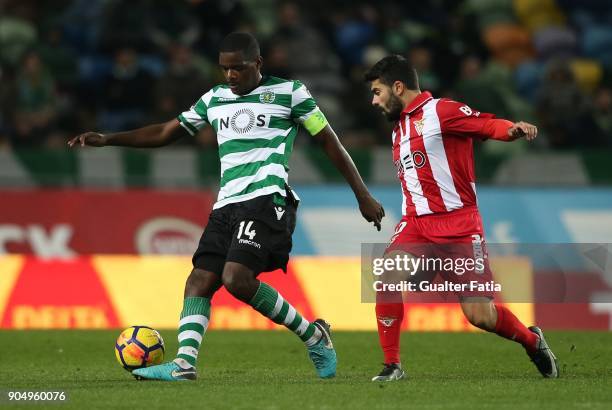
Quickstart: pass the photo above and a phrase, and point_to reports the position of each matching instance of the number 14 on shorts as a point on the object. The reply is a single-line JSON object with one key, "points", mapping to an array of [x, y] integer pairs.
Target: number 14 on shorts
{"points": [[245, 228]]}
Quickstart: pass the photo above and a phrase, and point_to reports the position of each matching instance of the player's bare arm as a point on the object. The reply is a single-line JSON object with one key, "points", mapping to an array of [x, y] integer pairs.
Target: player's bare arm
{"points": [[371, 209], [151, 136]]}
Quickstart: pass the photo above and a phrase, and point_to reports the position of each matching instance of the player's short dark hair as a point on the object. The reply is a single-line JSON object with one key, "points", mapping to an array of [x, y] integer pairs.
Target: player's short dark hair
{"points": [[243, 42], [394, 68]]}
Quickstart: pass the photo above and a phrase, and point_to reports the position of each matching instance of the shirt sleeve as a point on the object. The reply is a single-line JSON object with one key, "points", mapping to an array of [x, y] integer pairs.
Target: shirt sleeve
{"points": [[459, 119], [195, 118], [304, 110]]}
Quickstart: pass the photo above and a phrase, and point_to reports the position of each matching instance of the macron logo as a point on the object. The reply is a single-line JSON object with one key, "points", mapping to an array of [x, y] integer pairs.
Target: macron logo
{"points": [[279, 212], [248, 242]]}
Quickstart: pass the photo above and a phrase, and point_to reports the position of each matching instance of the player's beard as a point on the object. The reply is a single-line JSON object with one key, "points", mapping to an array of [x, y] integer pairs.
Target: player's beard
{"points": [[395, 109]]}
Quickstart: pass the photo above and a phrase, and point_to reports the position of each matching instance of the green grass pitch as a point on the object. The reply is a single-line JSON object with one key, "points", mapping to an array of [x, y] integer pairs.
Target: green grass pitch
{"points": [[270, 370]]}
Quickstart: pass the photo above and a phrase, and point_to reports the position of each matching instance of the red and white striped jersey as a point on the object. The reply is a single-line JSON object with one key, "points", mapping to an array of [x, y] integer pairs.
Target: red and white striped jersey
{"points": [[433, 153]]}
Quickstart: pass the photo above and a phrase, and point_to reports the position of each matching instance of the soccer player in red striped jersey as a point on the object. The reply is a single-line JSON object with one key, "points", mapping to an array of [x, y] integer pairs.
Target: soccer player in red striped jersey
{"points": [[432, 149]]}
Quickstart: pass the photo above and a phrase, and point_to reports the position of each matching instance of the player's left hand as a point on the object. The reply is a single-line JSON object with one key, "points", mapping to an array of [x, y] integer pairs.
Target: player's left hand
{"points": [[523, 129], [372, 211]]}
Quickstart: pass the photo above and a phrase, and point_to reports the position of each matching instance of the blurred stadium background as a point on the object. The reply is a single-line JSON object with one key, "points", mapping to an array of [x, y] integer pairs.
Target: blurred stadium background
{"points": [[89, 237]]}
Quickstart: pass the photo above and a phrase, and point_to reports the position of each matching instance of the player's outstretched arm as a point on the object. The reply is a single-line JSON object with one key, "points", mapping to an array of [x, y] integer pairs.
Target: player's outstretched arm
{"points": [[504, 130], [151, 136], [371, 210], [459, 119]]}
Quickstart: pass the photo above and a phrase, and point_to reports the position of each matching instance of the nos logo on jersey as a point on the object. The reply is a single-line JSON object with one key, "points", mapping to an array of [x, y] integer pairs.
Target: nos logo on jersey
{"points": [[242, 121]]}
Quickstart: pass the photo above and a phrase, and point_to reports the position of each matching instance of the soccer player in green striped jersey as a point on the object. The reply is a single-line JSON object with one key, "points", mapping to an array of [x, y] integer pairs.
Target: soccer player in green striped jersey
{"points": [[249, 231]]}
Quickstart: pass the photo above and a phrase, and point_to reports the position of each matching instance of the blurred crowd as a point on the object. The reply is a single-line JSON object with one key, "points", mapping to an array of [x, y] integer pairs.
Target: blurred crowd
{"points": [[68, 66]]}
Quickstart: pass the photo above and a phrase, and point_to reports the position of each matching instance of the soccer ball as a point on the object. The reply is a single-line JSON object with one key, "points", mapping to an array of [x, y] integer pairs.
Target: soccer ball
{"points": [[139, 346]]}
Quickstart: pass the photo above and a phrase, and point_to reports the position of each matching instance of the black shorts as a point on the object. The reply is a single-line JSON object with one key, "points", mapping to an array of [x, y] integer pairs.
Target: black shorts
{"points": [[255, 233]]}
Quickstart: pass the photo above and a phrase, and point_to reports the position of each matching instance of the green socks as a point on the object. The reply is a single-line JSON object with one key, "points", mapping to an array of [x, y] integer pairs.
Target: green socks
{"points": [[271, 304], [267, 301], [193, 324]]}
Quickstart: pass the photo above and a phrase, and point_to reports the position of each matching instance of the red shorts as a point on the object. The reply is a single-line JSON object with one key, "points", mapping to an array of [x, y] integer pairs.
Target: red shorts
{"points": [[453, 241]]}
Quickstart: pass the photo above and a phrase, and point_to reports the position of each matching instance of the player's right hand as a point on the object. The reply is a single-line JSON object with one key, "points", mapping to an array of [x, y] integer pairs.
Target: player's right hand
{"points": [[93, 139], [372, 211]]}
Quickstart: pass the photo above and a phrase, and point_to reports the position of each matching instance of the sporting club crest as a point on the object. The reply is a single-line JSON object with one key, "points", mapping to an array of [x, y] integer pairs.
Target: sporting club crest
{"points": [[267, 97]]}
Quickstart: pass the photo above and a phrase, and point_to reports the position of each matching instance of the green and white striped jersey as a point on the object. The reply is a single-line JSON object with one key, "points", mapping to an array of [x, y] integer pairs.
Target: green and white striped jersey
{"points": [[255, 133]]}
